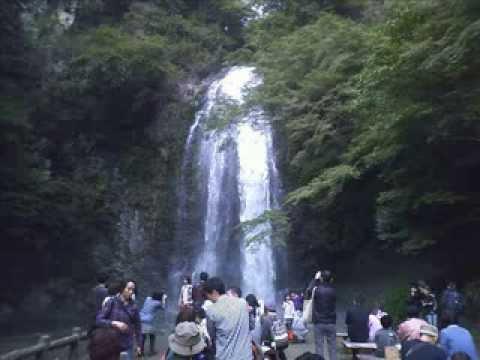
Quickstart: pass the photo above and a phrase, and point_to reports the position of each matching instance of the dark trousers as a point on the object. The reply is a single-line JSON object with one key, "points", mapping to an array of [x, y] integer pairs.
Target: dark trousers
{"points": [[326, 332], [152, 342]]}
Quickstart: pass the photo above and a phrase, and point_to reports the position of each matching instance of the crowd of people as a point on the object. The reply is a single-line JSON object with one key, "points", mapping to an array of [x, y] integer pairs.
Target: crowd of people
{"points": [[418, 336], [216, 322]]}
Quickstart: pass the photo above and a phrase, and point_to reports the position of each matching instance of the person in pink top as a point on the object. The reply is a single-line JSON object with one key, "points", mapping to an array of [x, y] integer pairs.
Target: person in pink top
{"points": [[410, 328], [374, 323]]}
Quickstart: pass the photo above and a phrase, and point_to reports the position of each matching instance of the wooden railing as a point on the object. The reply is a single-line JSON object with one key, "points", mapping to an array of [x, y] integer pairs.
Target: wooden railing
{"points": [[45, 345]]}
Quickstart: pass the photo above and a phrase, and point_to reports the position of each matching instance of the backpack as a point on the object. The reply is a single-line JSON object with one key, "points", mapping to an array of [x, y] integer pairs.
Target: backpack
{"points": [[392, 339], [280, 334]]}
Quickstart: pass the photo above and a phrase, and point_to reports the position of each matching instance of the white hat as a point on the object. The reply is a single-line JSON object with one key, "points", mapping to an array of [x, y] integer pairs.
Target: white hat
{"points": [[187, 340], [429, 330]]}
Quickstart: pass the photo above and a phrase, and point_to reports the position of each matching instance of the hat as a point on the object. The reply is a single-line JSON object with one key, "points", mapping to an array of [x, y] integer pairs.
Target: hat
{"points": [[186, 340], [429, 330]]}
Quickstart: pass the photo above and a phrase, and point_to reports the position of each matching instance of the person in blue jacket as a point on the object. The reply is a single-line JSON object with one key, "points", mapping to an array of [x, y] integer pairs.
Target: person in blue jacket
{"points": [[454, 338], [150, 307]]}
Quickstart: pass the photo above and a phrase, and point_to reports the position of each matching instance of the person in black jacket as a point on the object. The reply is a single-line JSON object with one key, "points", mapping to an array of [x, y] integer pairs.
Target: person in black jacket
{"points": [[357, 320], [97, 295], [324, 314]]}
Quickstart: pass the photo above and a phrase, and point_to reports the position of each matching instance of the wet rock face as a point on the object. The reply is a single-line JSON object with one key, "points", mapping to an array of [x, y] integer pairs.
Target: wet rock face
{"points": [[191, 89]]}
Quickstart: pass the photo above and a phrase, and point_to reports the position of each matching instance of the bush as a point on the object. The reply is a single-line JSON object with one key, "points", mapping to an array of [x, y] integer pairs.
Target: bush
{"points": [[395, 303]]}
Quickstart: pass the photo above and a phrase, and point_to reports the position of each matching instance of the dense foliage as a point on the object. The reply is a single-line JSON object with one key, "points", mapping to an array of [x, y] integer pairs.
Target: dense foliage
{"points": [[375, 103], [95, 100], [378, 106]]}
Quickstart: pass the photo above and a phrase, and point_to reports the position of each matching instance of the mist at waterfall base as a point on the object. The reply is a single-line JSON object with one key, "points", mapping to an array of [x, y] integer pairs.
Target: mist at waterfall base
{"points": [[228, 176]]}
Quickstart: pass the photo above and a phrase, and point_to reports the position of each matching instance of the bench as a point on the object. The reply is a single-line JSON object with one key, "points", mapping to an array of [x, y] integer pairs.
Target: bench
{"points": [[359, 345], [355, 347]]}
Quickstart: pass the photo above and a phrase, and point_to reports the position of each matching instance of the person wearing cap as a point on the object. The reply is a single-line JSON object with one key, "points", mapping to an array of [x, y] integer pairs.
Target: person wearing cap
{"points": [[185, 342], [424, 348], [228, 323]]}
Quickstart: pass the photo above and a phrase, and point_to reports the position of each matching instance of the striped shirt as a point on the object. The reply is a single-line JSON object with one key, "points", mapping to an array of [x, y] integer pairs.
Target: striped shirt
{"points": [[228, 326]]}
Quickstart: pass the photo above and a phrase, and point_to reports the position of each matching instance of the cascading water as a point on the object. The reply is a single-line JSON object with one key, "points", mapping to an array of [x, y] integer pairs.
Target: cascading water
{"points": [[229, 161]]}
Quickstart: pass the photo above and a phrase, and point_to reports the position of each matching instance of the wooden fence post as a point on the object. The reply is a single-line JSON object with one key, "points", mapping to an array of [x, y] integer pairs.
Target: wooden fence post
{"points": [[73, 351], [44, 341]]}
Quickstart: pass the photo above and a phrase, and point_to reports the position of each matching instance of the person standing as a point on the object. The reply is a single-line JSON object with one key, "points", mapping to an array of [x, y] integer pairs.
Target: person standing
{"points": [[99, 293], [150, 307], [122, 314], [288, 311], [414, 297], [429, 303], [297, 301], [452, 300], [227, 322], [324, 314], [198, 293], [454, 338], [254, 317], [185, 299]]}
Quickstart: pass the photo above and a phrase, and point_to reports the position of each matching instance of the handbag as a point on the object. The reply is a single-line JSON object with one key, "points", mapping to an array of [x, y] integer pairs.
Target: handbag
{"points": [[308, 309]]}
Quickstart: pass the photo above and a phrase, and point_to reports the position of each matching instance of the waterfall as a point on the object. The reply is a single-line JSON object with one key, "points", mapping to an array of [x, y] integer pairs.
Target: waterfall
{"points": [[228, 177]]}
